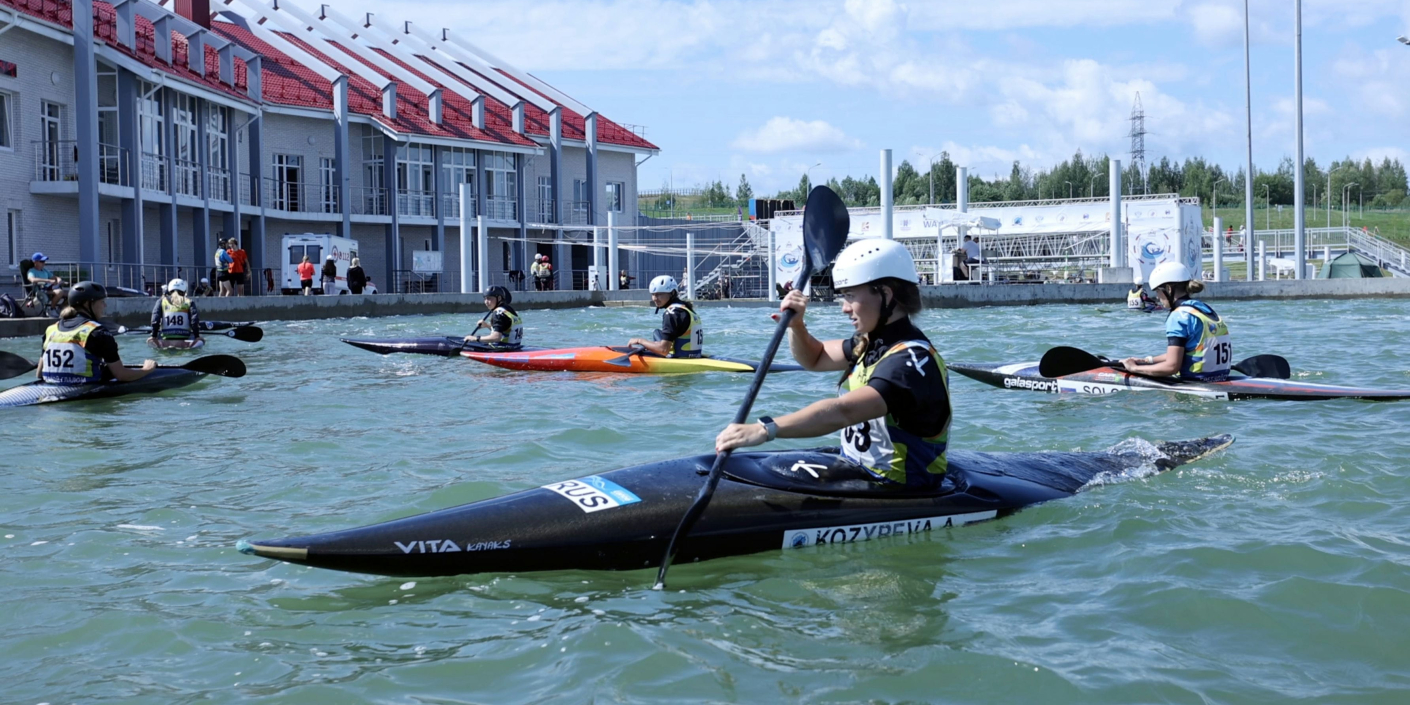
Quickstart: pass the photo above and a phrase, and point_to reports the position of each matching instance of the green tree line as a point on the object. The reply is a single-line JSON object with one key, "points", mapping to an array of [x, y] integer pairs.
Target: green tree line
{"points": [[1381, 185]]}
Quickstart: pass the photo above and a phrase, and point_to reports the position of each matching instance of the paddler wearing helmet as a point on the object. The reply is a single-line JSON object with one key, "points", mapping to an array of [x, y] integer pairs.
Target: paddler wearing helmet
{"points": [[681, 333], [893, 403], [78, 349], [506, 327], [175, 321], [1197, 338]]}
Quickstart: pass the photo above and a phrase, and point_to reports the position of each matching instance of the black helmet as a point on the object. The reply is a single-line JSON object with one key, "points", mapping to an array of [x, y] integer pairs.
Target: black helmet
{"points": [[500, 293], [86, 293]]}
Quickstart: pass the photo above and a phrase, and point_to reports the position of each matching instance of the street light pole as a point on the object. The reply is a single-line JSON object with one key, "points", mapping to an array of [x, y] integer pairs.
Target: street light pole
{"points": [[1344, 191], [1069, 189], [932, 177], [1267, 210], [1215, 206], [1300, 164], [1248, 184], [1092, 187]]}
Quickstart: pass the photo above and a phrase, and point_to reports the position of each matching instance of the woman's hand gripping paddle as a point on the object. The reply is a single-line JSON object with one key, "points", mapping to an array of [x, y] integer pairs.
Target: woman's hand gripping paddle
{"points": [[825, 227], [12, 365]]}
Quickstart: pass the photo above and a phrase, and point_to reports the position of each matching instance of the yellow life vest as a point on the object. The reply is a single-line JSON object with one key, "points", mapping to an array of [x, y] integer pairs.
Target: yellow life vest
{"points": [[691, 343], [176, 320], [1213, 353], [66, 359], [884, 448], [515, 336]]}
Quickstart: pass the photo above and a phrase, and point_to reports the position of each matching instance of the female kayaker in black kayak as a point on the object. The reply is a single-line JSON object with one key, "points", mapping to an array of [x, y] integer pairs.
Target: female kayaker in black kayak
{"points": [[681, 334], [893, 406], [175, 321], [506, 328], [79, 350], [1197, 339]]}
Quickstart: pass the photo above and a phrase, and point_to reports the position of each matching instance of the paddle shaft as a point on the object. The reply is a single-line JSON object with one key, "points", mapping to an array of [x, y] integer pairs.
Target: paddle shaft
{"points": [[702, 500]]}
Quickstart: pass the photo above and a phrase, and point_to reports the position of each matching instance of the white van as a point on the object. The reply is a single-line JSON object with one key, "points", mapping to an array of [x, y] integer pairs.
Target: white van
{"points": [[316, 248]]}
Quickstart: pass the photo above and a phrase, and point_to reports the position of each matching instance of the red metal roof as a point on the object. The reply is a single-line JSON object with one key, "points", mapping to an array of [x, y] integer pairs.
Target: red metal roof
{"points": [[286, 82], [105, 30]]}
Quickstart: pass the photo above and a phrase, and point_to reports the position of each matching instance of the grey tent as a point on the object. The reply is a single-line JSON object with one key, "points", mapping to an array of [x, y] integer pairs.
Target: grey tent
{"points": [[1350, 266]]}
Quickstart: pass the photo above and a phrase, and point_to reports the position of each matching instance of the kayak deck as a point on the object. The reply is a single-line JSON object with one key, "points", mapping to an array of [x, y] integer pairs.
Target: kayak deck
{"points": [[622, 520], [1108, 380], [612, 359], [444, 346], [161, 379]]}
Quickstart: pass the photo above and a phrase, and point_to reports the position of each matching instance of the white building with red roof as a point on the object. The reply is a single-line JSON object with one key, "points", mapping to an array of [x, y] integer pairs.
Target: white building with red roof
{"points": [[136, 135]]}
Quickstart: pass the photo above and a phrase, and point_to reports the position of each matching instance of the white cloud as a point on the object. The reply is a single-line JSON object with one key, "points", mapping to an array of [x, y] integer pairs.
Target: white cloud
{"points": [[783, 134], [1217, 24]]}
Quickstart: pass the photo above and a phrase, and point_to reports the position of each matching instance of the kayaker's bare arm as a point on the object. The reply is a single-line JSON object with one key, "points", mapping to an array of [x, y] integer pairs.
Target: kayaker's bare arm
{"points": [[813, 354], [660, 347], [493, 336], [1166, 365], [123, 373], [817, 419]]}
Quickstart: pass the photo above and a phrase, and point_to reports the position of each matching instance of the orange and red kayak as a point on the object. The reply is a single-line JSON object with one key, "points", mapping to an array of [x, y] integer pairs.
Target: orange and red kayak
{"points": [[609, 359]]}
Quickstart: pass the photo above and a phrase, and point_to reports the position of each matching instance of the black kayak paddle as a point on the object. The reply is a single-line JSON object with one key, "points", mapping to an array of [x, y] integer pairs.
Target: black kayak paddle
{"points": [[626, 360], [1063, 360], [248, 334], [825, 228], [12, 365]]}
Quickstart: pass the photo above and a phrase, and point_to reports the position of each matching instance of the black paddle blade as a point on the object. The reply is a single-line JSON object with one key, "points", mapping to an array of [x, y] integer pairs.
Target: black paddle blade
{"points": [[825, 227], [220, 365], [248, 334], [1062, 361], [1266, 366], [626, 360], [12, 365], [217, 326]]}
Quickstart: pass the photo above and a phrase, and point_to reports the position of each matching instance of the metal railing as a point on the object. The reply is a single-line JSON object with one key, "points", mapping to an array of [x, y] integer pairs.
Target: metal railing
{"points": [[58, 161], [154, 172], [450, 205], [218, 184], [300, 198], [416, 203], [501, 209], [369, 200], [186, 177], [127, 279], [247, 193]]}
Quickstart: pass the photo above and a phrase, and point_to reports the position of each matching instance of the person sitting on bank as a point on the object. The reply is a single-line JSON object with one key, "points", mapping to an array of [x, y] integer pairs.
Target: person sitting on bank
{"points": [[681, 334], [43, 280], [893, 407], [175, 322], [203, 288], [506, 327], [1197, 343], [959, 265], [79, 350]]}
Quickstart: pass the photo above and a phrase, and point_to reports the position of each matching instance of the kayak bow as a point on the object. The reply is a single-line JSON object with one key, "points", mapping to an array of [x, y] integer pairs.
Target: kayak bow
{"points": [[445, 346], [1108, 380], [596, 359], [621, 520], [158, 380]]}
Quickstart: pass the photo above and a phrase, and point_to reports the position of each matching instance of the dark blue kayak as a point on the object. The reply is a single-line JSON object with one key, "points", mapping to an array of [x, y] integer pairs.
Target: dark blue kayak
{"points": [[160, 379], [444, 346]]}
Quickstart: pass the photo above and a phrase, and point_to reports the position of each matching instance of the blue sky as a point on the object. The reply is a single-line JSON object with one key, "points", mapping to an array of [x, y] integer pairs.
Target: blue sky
{"points": [[769, 88]]}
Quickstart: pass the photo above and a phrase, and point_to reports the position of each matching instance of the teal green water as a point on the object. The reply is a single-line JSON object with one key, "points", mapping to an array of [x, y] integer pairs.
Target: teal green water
{"points": [[1278, 570]]}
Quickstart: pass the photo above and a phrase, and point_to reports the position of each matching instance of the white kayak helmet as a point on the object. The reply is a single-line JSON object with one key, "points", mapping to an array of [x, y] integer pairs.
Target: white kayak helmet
{"points": [[664, 284], [1169, 273], [872, 259], [177, 284]]}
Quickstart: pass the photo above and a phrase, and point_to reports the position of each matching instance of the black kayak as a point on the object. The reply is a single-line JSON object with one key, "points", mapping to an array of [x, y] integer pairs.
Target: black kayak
{"points": [[1109, 380], [622, 520], [445, 346], [160, 379]]}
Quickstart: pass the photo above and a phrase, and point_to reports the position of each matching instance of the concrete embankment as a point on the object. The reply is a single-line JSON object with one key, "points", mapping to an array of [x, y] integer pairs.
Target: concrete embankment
{"points": [[135, 312]]}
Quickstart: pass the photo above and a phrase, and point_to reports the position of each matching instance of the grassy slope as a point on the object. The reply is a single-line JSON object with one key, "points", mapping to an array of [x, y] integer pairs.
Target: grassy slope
{"points": [[1393, 225]]}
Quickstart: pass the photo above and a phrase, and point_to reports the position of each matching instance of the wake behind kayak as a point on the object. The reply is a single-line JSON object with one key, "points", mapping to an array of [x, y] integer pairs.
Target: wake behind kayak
{"points": [[622, 520]]}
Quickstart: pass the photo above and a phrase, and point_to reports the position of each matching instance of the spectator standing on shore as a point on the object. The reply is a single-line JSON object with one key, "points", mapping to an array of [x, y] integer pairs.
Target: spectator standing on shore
{"points": [[357, 279], [624, 280], [306, 276], [330, 276], [239, 267], [223, 261]]}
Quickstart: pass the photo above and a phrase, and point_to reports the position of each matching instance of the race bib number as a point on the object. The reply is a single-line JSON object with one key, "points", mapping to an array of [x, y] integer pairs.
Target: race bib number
{"points": [[699, 338], [868, 444], [177, 320], [1219, 355], [516, 335], [63, 358]]}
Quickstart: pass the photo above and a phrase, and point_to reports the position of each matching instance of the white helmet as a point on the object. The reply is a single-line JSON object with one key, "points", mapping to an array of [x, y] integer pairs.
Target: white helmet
{"points": [[176, 285], [872, 259], [1169, 273], [664, 284]]}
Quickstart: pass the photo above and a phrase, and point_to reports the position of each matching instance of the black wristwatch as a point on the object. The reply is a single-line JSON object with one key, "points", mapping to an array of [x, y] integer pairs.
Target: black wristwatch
{"points": [[769, 426]]}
